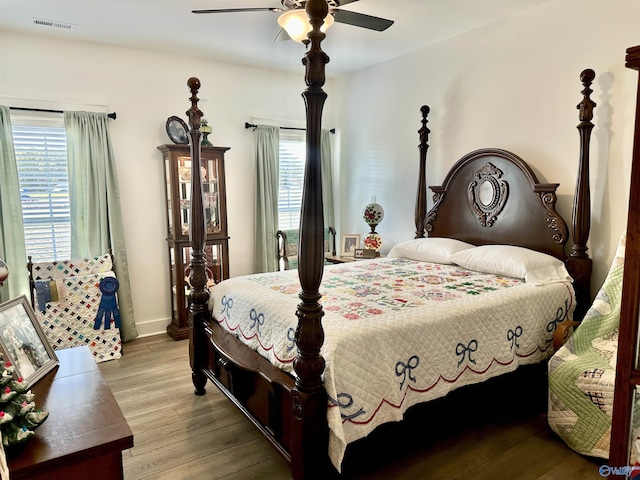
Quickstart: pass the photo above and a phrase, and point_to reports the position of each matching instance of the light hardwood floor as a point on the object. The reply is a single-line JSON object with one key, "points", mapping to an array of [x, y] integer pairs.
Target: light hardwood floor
{"points": [[484, 435]]}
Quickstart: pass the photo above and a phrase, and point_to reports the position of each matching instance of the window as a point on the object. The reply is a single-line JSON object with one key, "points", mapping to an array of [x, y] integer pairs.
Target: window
{"points": [[41, 156], [292, 160]]}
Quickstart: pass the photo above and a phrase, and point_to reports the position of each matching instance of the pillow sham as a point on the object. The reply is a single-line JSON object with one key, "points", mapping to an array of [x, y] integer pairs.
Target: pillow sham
{"points": [[431, 249], [535, 267]]}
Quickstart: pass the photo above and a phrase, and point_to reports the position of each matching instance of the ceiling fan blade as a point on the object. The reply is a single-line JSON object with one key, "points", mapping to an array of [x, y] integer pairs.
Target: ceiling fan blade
{"points": [[282, 35], [344, 2], [361, 20], [234, 10]]}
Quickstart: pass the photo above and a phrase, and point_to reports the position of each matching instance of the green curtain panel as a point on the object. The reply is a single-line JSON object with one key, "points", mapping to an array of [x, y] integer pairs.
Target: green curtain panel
{"points": [[266, 140], [12, 248], [96, 216], [326, 160]]}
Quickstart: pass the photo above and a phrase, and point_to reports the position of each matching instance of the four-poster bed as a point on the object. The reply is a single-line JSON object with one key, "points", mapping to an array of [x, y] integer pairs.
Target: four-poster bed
{"points": [[490, 197]]}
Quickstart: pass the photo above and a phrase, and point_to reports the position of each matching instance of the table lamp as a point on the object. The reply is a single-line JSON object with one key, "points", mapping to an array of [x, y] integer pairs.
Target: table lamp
{"points": [[373, 214]]}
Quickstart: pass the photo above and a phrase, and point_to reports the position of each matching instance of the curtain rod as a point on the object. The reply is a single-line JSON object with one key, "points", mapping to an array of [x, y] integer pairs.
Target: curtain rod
{"points": [[251, 125], [110, 115]]}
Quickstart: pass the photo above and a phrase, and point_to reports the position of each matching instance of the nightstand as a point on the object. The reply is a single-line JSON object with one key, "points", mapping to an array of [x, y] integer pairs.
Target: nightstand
{"points": [[339, 259], [344, 259]]}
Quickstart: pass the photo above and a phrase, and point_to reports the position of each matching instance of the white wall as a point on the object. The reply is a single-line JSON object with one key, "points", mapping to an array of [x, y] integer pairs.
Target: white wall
{"points": [[512, 85], [144, 88]]}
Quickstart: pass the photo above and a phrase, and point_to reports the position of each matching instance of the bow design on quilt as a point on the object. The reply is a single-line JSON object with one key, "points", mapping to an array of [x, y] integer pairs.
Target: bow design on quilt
{"points": [[227, 304], [561, 315], [345, 404], [257, 319], [291, 336], [513, 335], [462, 349], [108, 308], [404, 369]]}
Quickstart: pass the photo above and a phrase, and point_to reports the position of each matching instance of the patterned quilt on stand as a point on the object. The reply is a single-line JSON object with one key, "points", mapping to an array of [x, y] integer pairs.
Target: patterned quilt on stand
{"points": [[67, 299], [582, 372]]}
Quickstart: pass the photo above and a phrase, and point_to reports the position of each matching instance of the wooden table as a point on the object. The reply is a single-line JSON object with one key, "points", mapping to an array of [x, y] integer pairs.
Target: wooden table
{"points": [[344, 259], [85, 433], [339, 259]]}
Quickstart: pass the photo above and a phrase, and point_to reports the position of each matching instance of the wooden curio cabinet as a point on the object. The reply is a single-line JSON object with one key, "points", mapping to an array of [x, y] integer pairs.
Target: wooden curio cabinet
{"points": [[177, 175]]}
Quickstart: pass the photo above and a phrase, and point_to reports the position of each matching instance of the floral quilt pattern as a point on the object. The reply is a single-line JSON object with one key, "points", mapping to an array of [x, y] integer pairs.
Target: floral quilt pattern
{"points": [[366, 289]]}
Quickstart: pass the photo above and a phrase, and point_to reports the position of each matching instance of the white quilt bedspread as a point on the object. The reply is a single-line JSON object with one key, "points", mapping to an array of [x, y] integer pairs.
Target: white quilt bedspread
{"points": [[397, 332]]}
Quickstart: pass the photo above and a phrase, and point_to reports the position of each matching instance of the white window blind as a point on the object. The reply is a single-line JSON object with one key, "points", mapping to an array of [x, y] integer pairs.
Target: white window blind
{"points": [[292, 159], [41, 156]]}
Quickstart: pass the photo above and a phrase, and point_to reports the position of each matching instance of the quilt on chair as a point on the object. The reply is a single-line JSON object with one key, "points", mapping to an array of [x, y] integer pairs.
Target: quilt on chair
{"points": [[582, 372], [67, 302]]}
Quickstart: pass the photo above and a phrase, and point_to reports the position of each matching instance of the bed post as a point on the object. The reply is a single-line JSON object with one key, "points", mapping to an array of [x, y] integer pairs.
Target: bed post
{"points": [[624, 398], [579, 263], [199, 295], [421, 196], [308, 399]]}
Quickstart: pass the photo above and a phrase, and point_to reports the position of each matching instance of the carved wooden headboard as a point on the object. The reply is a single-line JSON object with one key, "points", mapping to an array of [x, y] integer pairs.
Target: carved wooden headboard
{"points": [[492, 196]]}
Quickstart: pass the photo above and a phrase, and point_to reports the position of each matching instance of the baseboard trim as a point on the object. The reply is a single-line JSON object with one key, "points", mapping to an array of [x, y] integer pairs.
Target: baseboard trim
{"points": [[152, 327]]}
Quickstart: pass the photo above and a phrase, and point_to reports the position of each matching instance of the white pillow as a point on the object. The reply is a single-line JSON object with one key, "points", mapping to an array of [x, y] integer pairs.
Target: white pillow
{"points": [[535, 267], [432, 249]]}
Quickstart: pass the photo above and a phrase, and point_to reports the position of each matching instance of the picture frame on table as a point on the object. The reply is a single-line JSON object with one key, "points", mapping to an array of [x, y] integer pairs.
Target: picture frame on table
{"points": [[364, 253], [23, 342], [349, 242]]}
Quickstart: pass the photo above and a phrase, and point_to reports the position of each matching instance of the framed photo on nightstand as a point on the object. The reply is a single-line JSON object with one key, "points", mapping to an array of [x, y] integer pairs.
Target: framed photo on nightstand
{"points": [[364, 253], [350, 242]]}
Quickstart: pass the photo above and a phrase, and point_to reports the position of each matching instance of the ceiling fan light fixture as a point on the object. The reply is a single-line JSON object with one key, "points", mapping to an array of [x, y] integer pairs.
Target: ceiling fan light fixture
{"points": [[296, 23]]}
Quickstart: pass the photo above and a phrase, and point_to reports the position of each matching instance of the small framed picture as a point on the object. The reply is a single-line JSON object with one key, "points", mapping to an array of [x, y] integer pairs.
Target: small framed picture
{"points": [[364, 253], [350, 242], [23, 342]]}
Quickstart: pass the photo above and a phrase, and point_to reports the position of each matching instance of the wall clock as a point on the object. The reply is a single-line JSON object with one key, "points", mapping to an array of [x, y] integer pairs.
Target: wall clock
{"points": [[177, 130]]}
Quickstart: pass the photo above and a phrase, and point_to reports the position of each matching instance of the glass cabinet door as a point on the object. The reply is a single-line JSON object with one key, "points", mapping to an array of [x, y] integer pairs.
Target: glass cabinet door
{"points": [[179, 256], [210, 190], [209, 174]]}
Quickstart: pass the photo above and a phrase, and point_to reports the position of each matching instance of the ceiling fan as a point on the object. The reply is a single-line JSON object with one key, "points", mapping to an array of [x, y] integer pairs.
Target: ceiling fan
{"points": [[340, 16]]}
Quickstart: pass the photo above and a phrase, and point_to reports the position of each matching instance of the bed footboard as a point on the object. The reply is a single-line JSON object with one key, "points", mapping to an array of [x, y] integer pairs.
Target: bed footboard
{"points": [[260, 390]]}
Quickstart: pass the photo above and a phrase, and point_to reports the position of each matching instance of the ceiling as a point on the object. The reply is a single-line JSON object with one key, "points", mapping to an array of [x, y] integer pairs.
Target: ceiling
{"points": [[247, 38]]}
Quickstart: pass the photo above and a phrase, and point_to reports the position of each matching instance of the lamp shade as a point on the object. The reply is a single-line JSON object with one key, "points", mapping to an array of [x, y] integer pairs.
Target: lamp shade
{"points": [[296, 23], [373, 214]]}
